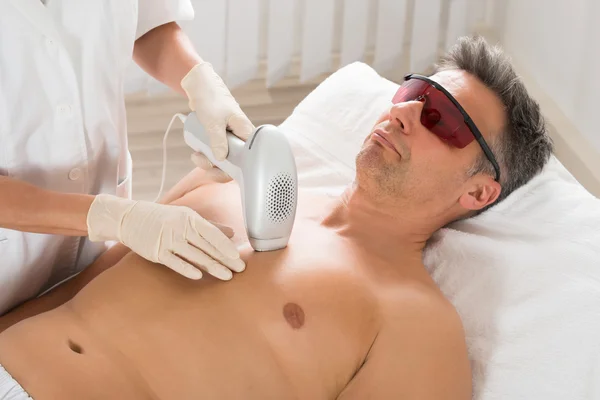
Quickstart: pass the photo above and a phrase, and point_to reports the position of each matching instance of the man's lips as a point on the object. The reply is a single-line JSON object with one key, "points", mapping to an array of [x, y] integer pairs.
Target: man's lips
{"points": [[384, 138]]}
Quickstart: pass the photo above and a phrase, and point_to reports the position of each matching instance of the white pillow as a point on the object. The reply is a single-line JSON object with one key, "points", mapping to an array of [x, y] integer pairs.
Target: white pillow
{"points": [[524, 275]]}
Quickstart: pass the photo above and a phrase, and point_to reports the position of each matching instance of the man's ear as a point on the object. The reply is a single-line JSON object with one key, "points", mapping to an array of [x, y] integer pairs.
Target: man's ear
{"points": [[481, 192]]}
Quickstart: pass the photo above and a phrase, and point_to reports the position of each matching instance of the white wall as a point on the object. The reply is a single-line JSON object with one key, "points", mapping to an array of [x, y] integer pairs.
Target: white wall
{"points": [[557, 42], [337, 37]]}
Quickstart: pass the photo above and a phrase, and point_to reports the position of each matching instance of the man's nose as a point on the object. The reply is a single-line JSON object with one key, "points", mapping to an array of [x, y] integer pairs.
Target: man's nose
{"points": [[406, 116]]}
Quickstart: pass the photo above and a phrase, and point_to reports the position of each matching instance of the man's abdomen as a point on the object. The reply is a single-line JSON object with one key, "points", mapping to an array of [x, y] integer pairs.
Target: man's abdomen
{"points": [[53, 357]]}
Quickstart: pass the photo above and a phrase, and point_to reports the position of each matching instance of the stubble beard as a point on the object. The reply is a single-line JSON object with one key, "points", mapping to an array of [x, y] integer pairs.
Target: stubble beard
{"points": [[378, 175]]}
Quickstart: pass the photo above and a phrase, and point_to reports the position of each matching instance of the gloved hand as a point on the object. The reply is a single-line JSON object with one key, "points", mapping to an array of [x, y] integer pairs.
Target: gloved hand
{"points": [[215, 107], [174, 236]]}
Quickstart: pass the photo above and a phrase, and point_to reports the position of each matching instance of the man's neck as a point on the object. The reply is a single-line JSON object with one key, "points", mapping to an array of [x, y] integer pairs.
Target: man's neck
{"points": [[379, 226]]}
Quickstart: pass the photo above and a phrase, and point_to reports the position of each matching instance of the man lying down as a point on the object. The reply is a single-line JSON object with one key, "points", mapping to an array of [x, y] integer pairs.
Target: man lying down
{"points": [[346, 311]]}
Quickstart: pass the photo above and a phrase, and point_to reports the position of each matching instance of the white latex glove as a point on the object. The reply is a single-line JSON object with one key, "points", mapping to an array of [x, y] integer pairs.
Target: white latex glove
{"points": [[174, 236], [215, 107]]}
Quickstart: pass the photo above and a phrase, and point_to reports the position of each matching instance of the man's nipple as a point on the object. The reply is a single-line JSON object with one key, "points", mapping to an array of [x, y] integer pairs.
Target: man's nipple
{"points": [[294, 315]]}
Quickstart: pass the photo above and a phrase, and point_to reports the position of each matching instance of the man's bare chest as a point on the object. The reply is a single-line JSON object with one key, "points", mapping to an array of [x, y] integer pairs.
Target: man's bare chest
{"points": [[308, 309], [317, 289]]}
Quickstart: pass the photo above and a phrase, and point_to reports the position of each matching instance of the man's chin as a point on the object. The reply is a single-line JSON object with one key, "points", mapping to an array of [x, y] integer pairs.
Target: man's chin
{"points": [[375, 162], [376, 154], [368, 156]]}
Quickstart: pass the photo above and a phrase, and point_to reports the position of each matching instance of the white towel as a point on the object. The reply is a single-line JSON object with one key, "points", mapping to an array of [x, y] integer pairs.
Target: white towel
{"points": [[525, 279], [524, 276]]}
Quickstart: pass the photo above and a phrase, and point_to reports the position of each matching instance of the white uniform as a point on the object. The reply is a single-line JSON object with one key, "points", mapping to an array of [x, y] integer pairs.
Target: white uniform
{"points": [[62, 118]]}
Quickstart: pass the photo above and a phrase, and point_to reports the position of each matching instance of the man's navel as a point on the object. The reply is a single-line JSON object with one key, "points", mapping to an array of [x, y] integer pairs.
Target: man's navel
{"points": [[294, 315]]}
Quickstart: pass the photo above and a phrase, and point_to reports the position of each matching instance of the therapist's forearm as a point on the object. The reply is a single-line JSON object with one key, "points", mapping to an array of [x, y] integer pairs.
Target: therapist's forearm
{"points": [[167, 54], [27, 208]]}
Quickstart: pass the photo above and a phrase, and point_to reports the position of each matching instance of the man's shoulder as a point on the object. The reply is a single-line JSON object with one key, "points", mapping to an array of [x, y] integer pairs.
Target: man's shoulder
{"points": [[422, 301], [419, 352], [420, 319]]}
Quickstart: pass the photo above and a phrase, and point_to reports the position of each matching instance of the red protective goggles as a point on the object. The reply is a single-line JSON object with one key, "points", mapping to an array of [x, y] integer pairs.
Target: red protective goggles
{"points": [[442, 114]]}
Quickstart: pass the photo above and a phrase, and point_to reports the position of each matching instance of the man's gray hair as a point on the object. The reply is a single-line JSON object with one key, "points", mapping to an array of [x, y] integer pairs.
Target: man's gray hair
{"points": [[524, 146]]}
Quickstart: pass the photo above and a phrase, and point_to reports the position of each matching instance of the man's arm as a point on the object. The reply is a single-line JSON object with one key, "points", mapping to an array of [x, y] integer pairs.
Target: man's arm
{"points": [[419, 355], [167, 54]]}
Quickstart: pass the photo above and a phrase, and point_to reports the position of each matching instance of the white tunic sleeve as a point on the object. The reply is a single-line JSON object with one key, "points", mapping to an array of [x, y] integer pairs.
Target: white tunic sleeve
{"points": [[153, 13]]}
